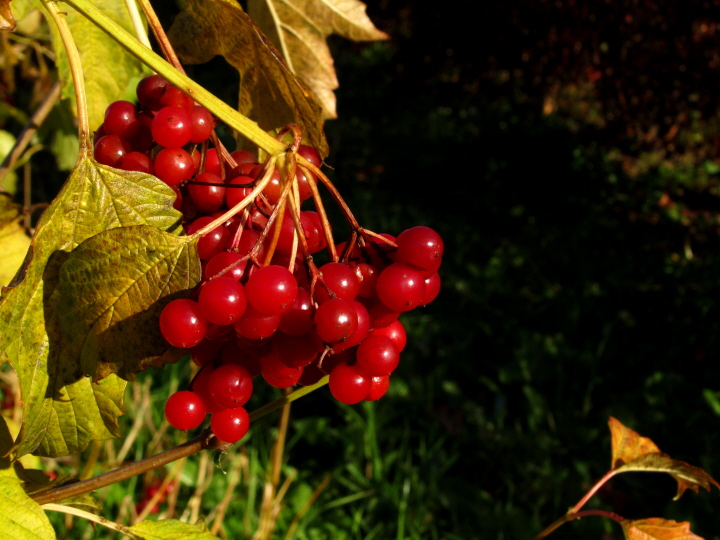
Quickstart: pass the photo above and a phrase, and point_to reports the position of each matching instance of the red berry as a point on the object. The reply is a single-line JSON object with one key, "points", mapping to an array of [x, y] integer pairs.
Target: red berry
{"points": [[271, 289], [120, 120], [182, 323], [339, 279], [207, 198], [172, 127], [256, 325], [421, 247], [202, 124], [377, 356], [230, 386], [378, 388], [184, 410], [222, 300], [335, 320], [174, 165], [230, 425], [348, 385], [110, 149], [400, 287], [395, 331]]}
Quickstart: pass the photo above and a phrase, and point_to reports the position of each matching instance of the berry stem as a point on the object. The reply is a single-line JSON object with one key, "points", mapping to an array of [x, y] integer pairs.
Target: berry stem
{"points": [[224, 112], [160, 35], [242, 204], [333, 191], [77, 76], [321, 212]]}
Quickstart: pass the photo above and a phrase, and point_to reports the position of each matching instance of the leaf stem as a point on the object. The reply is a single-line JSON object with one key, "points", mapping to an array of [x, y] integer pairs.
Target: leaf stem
{"points": [[205, 440], [90, 517], [224, 112], [575, 509], [77, 76]]}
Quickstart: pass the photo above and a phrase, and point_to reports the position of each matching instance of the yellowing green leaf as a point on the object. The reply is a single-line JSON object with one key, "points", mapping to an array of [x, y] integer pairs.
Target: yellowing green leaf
{"points": [[64, 410], [300, 28], [14, 242], [111, 291], [269, 92], [633, 453], [108, 68], [171, 529], [22, 518], [657, 529]]}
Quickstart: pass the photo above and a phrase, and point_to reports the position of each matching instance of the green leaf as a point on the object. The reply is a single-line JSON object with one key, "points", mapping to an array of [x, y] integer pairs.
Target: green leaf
{"points": [[171, 529], [23, 519], [108, 67], [269, 92], [111, 291], [63, 409], [14, 242], [300, 28]]}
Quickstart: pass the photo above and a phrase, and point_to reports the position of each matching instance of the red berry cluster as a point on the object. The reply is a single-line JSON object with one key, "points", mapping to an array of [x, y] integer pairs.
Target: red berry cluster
{"points": [[263, 306]]}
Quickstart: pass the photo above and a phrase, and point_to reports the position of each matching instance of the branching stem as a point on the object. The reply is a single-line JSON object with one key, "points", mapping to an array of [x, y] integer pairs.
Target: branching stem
{"points": [[204, 441], [577, 515]]}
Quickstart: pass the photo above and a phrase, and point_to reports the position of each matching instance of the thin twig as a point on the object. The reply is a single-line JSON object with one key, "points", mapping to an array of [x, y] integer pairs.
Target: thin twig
{"points": [[160, 35], [233, 481], [29, 130]]}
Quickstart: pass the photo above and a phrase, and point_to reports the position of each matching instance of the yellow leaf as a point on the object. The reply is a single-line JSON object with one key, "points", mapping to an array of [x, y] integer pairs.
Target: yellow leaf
{"points": [[14, 242], [300, 28]]}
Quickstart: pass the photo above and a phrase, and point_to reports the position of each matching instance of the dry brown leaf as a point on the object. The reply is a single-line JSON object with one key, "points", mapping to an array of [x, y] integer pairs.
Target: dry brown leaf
{"points": [[270, 93], [300, 28], [657, 529], [7, 21], [631, 452]]}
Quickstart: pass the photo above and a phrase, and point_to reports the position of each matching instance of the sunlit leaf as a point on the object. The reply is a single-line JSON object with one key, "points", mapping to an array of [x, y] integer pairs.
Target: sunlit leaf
{"points": [[300, 28], [631, 452], [171, 529], [657, 529], [64, 410], [109, 297], [628, 445], [269, 92], [108, 67], [23, 519], [14, 241]]}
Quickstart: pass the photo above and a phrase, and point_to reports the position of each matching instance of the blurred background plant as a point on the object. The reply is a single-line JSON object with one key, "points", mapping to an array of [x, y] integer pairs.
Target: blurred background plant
{"points": [[581, 282]]}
